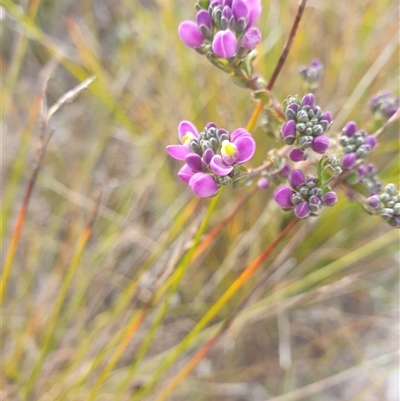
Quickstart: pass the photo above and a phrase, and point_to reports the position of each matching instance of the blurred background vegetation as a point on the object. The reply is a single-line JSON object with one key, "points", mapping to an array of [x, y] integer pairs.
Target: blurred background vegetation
{"points": [[321, 321]]}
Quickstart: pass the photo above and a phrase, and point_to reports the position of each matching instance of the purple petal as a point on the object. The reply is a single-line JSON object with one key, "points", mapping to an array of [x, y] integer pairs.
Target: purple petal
{"points": [[251, 39], [203, 17], [302, 210], [327, 116], [254, 7], [190, 34], [288, 132], [240, 10], [282, 197], [308, 100], [203, 185], [350, 129], [193, 160], [294, 107], [224, 44], [204, 23], [238, 133], [329, 199], [207, 156], [186, 127], [178, 152], [185, 173], [317, 63], [297, 155], [263, 183], [285, 171], [371, 141], [320, 144], [296, 178], [211, 125], [218, 166], [374, 202], [246, 146], [349, 160]]}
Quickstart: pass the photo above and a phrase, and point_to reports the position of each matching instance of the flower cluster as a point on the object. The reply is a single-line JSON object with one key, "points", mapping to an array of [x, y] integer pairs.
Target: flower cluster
{"points": [[211, 156], [312, 73], [223, 27], [305, 127], [387, 205], [305, 196], [367, 176], [356, 144], [384, 105]]}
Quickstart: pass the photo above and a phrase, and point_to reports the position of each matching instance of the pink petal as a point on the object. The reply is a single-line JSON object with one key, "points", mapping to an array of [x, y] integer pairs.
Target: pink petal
{"points": [[203, 185], [178, 152], [185, 173], [190, 34], [238, 133], [224, 44], [246, 146], [218, 166], [185, 127]]}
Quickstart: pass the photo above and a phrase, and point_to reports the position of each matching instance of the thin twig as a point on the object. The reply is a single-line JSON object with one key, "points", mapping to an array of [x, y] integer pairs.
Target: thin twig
{"points": [[288, 45], [389, 122], [257, 111]]}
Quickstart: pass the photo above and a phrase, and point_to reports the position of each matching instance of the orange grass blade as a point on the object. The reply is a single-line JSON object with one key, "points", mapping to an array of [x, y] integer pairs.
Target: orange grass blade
{"points": [[20, 224]]}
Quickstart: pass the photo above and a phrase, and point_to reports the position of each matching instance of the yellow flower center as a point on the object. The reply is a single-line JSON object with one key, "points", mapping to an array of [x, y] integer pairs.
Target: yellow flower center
{"points": [[229, 148], [188, 138]]}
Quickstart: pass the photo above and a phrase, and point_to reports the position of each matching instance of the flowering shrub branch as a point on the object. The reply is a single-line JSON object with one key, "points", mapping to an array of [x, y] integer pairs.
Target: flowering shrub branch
{"points": [[224, 31]]}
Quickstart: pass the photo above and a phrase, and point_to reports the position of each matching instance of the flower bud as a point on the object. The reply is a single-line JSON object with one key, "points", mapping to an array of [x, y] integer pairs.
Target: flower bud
{"points": [[282, 197], [296, 178], [224, 44], [329, 199], [302, 210], [320, 144]]}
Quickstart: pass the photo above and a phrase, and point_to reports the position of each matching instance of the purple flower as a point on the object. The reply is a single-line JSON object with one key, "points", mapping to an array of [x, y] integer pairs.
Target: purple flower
{"points": [[282, 196], [187, 133], [204, 23], [296, 178], [227, 25], [203, 184], [356, 144], [312, 73], [320, 144], [263, 183], [349, 129], [374, 202], [304, 196], [305, 127], [190, 34], [213, 153], [349, 161], [297, 155], [288, 132], [250, 39], [387, 205], [367, 176], [302, 210], [185, 173], [384, 105], [224, 44], [329, 199], [254, 7]]}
